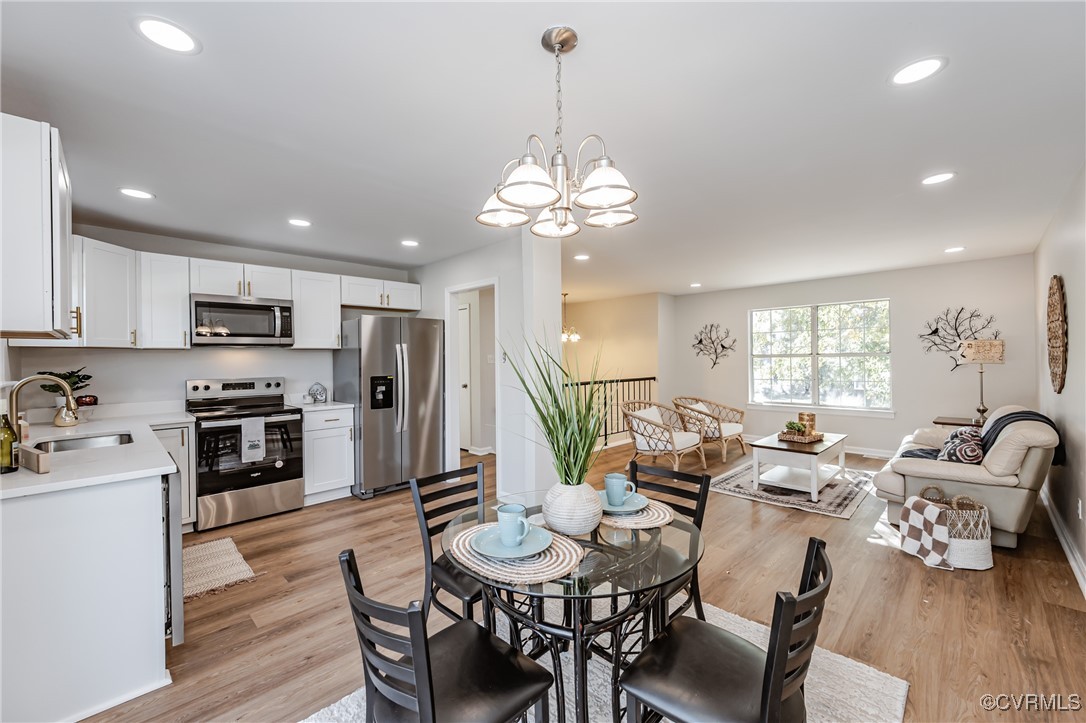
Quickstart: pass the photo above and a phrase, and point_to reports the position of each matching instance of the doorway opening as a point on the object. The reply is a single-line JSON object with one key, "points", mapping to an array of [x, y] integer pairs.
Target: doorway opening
{"points": [[476, 379]]}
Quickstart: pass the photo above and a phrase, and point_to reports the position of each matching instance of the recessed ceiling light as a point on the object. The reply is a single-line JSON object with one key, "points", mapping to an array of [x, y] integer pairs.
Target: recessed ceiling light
{"points": [[409, 243], [136, 193], [953, 249], [581, 257], [300, 222], [918, 70], [694, 285], [167, 35], [938, 178]]}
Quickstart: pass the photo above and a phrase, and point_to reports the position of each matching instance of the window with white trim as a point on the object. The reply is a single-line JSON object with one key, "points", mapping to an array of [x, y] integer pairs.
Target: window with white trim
{"points": [[824, 355]]}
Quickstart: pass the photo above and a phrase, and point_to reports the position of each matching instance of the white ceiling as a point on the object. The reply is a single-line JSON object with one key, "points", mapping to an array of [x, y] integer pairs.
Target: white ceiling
{"points": [[764, 139]]}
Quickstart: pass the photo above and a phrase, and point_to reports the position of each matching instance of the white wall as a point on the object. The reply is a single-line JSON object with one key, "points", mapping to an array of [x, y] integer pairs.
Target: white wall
{"points": [[488, 361], [1063, 251], [221, 252], [923, 385], [623, 331], [149, 375]]}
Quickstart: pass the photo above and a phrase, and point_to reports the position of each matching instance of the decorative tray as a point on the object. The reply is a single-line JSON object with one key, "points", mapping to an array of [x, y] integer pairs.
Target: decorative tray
{"points": [[802, 438]]}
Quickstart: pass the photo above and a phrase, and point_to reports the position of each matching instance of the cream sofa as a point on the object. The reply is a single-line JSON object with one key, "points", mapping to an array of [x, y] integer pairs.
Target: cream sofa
{"points": [[1007, 481]]}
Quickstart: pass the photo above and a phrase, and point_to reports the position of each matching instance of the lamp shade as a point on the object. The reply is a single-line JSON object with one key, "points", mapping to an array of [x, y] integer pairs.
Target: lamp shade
{"points": [[605, 187], [610, 217], [546, 227], [529, 186], [982, 351], [502, 215]]}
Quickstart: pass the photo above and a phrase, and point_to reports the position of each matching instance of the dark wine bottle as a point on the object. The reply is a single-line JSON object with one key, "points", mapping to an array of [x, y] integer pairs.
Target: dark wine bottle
{"points": [[9, 442]]}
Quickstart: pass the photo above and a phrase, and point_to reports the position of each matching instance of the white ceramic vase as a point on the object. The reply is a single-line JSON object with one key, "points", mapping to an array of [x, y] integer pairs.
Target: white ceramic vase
{"points": [[572, 509]]}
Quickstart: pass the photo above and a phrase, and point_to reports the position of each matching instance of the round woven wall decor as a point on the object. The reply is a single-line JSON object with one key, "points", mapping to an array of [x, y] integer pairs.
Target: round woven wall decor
{"points": [[1057, 333]]}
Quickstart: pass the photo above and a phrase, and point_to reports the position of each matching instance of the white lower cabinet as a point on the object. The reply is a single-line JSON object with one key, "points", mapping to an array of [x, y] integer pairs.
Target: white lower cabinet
{"points": [[181, 444], [329, 454]]}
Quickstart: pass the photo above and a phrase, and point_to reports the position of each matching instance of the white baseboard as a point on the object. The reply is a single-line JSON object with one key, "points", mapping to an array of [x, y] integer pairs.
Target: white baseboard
{"points": [[479, 451], [1078, 566]]}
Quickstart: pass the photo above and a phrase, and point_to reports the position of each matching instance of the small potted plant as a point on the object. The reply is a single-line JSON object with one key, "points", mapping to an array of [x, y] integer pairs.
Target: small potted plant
{"points": [[795, 428], [76, 380]]}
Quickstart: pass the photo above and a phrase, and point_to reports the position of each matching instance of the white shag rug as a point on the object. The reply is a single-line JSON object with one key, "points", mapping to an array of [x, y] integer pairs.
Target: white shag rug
{"points": [[209, 567], [838, 689]]}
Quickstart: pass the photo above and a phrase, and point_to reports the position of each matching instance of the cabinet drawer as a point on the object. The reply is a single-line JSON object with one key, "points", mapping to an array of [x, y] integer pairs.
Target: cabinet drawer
{"points": [[329, 420]]}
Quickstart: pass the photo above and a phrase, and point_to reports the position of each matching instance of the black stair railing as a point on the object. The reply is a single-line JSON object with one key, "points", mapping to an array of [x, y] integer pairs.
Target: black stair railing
{"points": [[612, 393]]}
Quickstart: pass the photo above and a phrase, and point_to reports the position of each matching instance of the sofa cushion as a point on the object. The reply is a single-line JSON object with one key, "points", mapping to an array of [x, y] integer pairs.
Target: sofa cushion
{"points": [[963, 446], [1006, 455], [929, 436], [936, 470], [683, 440]]}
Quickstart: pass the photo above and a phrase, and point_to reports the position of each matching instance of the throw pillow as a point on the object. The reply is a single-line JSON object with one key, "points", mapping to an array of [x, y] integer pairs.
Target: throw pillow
{"points": [[964, 446]]}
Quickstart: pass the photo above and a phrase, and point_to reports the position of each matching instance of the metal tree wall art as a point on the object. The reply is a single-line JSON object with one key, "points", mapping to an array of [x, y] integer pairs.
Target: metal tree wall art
{"points": [[711, 343], [945, 332]]}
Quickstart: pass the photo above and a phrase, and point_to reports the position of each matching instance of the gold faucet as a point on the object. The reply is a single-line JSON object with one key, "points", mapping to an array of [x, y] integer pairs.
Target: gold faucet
{"points": [[66, 416]]}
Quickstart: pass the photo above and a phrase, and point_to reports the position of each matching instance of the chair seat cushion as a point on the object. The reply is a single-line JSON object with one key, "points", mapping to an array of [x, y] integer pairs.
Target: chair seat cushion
{"points": [[455, 582], [683, 440], [477, 677], [695, 671]]}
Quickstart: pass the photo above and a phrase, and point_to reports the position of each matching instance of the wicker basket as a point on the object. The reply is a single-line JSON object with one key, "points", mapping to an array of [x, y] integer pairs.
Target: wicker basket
{"points": [[970, 530], [803, 438]]}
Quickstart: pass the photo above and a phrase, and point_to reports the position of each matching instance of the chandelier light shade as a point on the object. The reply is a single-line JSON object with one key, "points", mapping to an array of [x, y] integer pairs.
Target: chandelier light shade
{"points": [[569, 333], [557, 187]]}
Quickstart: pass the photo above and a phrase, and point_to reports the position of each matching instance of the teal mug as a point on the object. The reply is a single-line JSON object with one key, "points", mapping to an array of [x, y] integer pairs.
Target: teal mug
{"points": [[618, 488], [513, 526]]}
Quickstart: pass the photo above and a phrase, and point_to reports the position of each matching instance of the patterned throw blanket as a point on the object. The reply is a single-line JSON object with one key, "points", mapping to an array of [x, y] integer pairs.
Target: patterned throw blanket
{"points": [[1058, 457], [924, 532]]}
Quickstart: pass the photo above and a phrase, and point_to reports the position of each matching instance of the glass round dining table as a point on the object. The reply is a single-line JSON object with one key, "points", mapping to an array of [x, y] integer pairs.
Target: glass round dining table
{"points": [[608, 606]]}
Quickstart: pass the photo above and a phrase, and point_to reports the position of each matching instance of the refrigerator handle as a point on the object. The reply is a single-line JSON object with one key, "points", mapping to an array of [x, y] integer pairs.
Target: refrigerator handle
{"points": [[398, 399], [406, 389]]}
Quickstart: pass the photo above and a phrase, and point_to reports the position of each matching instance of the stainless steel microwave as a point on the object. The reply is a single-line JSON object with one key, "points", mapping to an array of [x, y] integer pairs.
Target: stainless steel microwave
{"points": [[241, 320]]}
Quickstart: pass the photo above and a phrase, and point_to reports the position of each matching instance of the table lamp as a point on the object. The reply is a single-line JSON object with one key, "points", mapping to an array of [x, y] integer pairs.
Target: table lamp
{"points": [[981, 352]]}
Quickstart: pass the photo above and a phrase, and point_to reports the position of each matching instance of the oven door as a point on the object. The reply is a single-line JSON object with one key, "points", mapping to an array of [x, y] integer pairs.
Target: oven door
{"points": [[237, 320], [219, 467]]}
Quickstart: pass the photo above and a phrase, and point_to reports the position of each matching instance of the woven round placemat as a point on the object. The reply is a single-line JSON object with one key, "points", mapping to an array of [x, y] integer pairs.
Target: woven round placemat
{"points": [[558, 560], [656, 514]]}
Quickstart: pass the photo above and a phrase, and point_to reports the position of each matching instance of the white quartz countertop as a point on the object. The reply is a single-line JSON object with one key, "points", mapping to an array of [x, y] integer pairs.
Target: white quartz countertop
{"points": [[143, 457], [326, 406]]}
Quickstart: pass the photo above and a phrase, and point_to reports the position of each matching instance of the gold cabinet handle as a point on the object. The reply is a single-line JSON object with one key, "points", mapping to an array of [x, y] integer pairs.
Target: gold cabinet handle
{"points": [[350, 433], [182, 436], [250, 283], [77, 314], [239, 287], [133, 336], [184, 338]]}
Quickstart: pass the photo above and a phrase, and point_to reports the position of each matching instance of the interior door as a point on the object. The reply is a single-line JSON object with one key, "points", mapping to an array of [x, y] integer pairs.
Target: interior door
{"points": [[379, 408], [464, 354], [424, 402]]}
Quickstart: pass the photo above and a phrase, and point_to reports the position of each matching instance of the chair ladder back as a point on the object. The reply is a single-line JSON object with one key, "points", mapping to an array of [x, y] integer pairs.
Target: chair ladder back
{"points": [[682, 485], [404, 680]]}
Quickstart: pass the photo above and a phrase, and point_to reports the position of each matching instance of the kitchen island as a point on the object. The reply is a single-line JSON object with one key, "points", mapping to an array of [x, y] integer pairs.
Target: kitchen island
{"points": [[82, 600]]}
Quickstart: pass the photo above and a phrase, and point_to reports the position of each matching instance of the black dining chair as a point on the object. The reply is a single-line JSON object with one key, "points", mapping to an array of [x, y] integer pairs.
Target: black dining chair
{"points": [[461, 673], [677, 490], [695, 671], [436, 502]]}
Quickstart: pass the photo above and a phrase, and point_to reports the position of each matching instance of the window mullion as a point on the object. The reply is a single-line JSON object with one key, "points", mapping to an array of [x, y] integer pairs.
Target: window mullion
{"points": [[815, 397]]}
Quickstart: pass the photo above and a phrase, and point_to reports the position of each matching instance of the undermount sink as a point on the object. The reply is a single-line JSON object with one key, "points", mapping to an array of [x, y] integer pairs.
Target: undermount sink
{"points": [[70, 443]]}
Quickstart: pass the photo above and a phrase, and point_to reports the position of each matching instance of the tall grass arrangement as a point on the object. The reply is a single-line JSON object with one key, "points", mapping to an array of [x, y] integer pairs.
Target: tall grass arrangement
{"points": [[570, 421]]}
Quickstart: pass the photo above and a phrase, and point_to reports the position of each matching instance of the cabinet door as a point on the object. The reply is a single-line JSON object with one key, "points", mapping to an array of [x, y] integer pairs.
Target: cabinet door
{"points": [[316, 310], [109, 285], [178, 442], [76, 284], [267, 282], [400, 295], [358, 291], [164, 301], [61, 202], [215, 277], [329, 459]]}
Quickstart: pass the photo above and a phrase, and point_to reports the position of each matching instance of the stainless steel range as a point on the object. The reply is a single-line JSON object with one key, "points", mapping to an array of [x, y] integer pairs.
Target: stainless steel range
{"points": [[249, 449]]}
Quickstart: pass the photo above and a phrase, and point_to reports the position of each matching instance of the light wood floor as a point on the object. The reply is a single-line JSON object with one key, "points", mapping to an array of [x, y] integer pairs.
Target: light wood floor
{"points": [[282, 647]]}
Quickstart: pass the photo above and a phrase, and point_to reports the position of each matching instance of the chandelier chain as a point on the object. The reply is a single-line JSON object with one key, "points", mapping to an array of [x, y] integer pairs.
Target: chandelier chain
{"points": [[558, 98]]}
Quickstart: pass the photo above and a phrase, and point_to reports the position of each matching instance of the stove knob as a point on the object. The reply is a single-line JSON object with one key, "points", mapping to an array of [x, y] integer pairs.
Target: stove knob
{"points": [[207, 387], [195, 387], [267, 385], [277, 385]]}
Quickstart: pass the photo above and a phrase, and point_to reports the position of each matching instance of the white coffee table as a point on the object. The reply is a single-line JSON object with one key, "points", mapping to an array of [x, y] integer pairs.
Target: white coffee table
{"points": [[799, 466]]}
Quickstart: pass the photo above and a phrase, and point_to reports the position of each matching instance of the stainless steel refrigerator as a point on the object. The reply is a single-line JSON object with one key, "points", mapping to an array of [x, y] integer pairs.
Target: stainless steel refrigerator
{"points": [[392, 369]]}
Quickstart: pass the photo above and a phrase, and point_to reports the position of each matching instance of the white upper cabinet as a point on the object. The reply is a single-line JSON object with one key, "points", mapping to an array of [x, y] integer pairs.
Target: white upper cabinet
{"points": [[360, 291], [76, 291], [316, 310], [163, 311], [109, 288], [225, 278], [267, 282], [37, 226]]}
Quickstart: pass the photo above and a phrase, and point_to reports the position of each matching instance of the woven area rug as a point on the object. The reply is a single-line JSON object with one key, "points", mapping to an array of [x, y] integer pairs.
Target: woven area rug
{"points": [[838, 689], [839, 498], [213, 566]]}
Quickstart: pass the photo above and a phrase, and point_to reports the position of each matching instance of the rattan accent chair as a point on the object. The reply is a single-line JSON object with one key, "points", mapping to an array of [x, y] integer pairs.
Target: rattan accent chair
{"points": [[658, 429], [720, 422]]}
